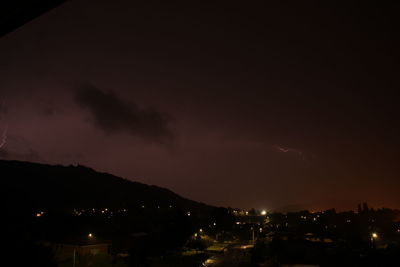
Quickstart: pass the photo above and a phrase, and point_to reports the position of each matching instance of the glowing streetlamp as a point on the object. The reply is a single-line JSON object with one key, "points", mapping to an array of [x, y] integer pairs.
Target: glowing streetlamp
{"points": [[374, 236], [90, 235], [263, 212]]}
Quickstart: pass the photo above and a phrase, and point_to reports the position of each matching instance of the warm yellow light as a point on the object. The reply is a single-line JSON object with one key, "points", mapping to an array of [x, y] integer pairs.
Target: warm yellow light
{"points": [[38, 214], [210, 261], [264, 212], [374, 235], [90, 235]]}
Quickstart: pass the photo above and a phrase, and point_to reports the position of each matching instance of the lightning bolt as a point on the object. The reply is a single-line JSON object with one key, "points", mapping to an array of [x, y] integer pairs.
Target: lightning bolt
{"points": [[282, 149], [285, 150], [4, 137], [5, 132]]}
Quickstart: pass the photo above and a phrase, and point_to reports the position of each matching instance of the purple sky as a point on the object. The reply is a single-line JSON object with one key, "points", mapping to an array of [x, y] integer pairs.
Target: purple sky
{"points": [[277, 107]]}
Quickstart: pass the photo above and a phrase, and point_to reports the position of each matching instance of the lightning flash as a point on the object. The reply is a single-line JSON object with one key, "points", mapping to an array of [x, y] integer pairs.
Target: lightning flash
{"points": [[4, 137]]}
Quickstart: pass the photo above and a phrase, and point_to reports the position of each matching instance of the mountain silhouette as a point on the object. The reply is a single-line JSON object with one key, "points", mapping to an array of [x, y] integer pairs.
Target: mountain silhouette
{"points": [[33, 185]]}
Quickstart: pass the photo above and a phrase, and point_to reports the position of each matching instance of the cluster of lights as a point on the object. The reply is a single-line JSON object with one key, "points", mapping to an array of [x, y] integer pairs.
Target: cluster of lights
{"points": [[93, 210], [78, 212], [39, 214], [104, 211]]}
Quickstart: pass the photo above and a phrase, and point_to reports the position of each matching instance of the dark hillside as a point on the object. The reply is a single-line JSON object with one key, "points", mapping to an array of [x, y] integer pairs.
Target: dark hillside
{"points": [[44, 186]]}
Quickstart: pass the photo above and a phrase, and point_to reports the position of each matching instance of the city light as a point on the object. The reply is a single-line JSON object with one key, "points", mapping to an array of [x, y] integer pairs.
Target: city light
{"points": [[90, 235], [374, 235], [263, 212]]}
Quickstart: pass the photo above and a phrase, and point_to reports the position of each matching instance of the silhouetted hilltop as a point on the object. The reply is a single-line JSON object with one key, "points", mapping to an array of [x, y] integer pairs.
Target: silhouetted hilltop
{"points": [[36, 185], [16, 13]]}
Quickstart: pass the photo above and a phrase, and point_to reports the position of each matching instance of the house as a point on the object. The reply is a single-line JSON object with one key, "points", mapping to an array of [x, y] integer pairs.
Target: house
{"points": [[90, 246]]}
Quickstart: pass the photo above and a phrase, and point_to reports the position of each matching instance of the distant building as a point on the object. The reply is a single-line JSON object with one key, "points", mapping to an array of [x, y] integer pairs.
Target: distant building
{"points": [[67, 250]]}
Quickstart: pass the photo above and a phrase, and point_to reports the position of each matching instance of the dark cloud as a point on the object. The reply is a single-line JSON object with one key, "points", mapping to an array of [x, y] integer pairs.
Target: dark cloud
{"points": [[3, 109], [50, 109], [113, 115]]}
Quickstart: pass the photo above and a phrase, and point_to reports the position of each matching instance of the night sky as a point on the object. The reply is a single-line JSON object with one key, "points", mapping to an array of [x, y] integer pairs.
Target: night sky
{"points": [[276, 105]]}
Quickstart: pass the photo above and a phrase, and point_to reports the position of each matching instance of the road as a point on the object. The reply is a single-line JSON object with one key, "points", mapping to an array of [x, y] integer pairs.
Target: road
{"points": [[236, 255]]}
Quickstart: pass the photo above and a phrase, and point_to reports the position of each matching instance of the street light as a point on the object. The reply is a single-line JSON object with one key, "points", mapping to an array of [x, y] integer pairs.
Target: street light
{"points": [[263, 212], [374, 236], [90, 235]]}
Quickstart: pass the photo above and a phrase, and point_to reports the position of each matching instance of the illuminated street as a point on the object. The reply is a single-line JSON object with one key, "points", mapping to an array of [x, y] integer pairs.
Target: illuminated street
{"points": [[236, 255]]}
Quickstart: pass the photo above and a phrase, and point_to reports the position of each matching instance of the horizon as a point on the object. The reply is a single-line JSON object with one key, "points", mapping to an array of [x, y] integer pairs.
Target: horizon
{"points": [[195, 134], [270, 105], [286, 210]]}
